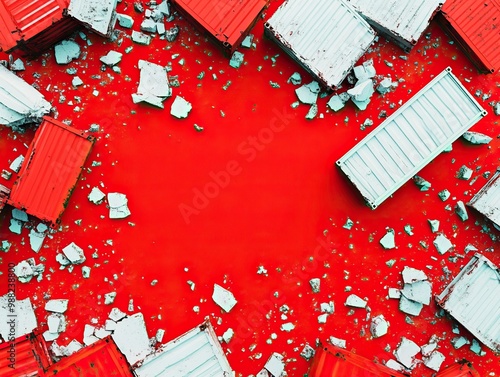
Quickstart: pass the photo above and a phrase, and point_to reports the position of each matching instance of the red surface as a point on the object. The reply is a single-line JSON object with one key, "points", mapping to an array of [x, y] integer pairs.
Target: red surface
{"points": [[461, 369], [476, 25], [282, 207], [23, 19], [99, 359], [50, 170], [227, 21], [31, 357], [332, 361]]}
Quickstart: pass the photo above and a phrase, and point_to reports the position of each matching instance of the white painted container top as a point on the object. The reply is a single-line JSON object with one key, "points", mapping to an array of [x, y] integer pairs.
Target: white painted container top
{"points": [[326, 38], [196, 353], [410, 138], [98, 15], [401, 20], [473, 299], [487, 200]]}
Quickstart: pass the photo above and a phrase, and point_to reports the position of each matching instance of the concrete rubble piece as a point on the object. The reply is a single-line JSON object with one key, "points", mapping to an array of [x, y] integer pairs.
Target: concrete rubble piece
{"points": [[416, 292], [25, 320], [223, 298], [154, 87], [98, 15], [118, 205], [131, 338]]}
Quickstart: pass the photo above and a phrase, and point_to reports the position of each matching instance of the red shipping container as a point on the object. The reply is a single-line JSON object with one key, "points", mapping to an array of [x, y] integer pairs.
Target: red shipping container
{"points": [[50, 170], [32, 26], [226, 21], [99, 359], [461, 369], [30, 357], [475, 27]]}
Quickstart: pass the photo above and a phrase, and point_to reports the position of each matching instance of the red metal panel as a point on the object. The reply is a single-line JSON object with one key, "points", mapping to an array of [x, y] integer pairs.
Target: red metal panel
{"points": [[228, 21], [23, 19], [50, 170], [462, 369], [475, 24], [4, 194], [31, 357], [100, 359], [332, 361]]}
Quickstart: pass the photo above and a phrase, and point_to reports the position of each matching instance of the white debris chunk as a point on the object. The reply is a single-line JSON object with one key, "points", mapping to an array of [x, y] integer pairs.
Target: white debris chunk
{"points": [[24, 321], [362, 91], [24, 271], [355, 301], [66, 51], [459, 342], [341, 343], [476, 348], [20, 103], [308, 93], [17, 65], [444, 195], [388, 241], [111, 58], [15, 226], [327, 307], [236, 59], [160, 28], [412, 275], [36, 240], [86, 272], [315, 284], [76, 81], [406, 352], [307, 352], [118, 205], [379, 326], [427, 349], [49, 336], [313, 112], [322, 318], [19, 215], [461, 211], [148, 25], [15, 165], [73, 347], [275, 365], [434, 361], [335, 103], [287, 327], [102, 332], [228, 335], [420, 291], [442, 244], [57, 305], [295, 78], [410, 307], [98, 15], [110, 325], [74, 253], [394, 365], [464, 173], [180, 108], [125, 21], [365, 71], [116, 314], [394, 293], [56, 323], [223, 298], [154, 87], [141, 38], [96, 196], [470, 248], [132, 339], [109, 298], [385, 85], [434, 225], [476, 138]]}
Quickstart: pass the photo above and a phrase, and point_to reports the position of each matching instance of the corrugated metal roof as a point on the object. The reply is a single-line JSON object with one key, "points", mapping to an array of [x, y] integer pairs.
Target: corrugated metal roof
{"points": [[97, 360], [487, 200], [403, 21], [461, 369], [228, 21], [476, 25], [410, 138], [23, 19], [50, 170], [332, 361], [31, 357], [327, 39], [473, 299], [197, 353], [99, 15]]}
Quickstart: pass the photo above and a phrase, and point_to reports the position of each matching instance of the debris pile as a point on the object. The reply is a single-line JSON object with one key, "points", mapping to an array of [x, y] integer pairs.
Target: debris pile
{"points": [[407, 351], [28, 269], [56, 321], [416, 292], [118, 205]]}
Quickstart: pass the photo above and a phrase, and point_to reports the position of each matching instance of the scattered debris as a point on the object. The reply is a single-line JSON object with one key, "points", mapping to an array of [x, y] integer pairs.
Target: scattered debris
{"points": [[442, 244], [74, 253], [434, 225], [118, 205], [223, 298], [27, 269], [111, 58], [461, 211], [96, 196], [406, 352], [421, 183], [237, 59], [180, 108], [315, 284], [125, 21], [388, 241], [141, 38], [355, 301], [385, 85], [379, 326], [308, 93], [476, 138], [464, 173]]}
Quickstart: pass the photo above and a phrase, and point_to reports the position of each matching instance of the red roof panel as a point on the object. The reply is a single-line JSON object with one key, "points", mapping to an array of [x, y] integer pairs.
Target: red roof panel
{"points": [[23, 19], [100, 359], [476, 24], [331, 361], [462, 369], [228, 21], [50, 170], [31, 357]]}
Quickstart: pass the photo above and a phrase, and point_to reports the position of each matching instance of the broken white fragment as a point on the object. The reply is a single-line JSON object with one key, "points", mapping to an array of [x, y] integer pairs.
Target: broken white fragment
{"points": [[307, 352], [180, 108], [287, 327], [322, 318], [154, 86], [275, 365], [365, 71], [313, 112], [327, 307], [118, 205], [49, 336], [116, 314], [308, 93], [141, 38], [427, 349], [76, 81], [476, 138], [394, 293], [420, 291], [341, 343], [66, 51], [15, 165], [15, 226], [461, 211], [19, 215], [236, 59], [56, 323], [464, 173], [385, 85], [228, 335], [111, 58], [24, 271], [86, 272], [125, 21], [434, 225], [362, 91], [148, 25], [160, 333], [109, 298], [73, 347], [102, 332], [406, 352], [388, 241], [409, 306], [394, 365], [223, 298], [434, 361], [355, 301], [315, 284], [96, 196], [36, 240], [412, 275], [295, 78], [442, 244], [110, 325], [379, 326], [459, 342], [17, 65], [335, 103], [25, 320], [56, 305], [74, 253], [132, 339]]}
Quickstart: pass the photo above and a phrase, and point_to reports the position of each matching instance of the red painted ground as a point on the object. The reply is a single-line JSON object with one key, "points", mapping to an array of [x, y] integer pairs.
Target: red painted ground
{"points": [[272, 197]]}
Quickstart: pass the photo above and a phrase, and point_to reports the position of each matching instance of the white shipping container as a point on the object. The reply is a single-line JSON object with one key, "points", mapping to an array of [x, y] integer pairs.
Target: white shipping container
{"points": [[402, 21], [326, 38], [410, 138], [487, 200]]}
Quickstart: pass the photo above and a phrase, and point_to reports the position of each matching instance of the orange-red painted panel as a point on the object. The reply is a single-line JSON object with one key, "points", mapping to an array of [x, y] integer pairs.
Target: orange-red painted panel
{"points": [[27, 356]]}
